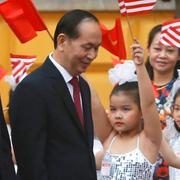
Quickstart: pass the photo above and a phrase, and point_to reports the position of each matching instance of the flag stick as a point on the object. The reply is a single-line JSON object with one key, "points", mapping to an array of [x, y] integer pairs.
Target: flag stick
{"points": [[50, 35], [130, 29]]}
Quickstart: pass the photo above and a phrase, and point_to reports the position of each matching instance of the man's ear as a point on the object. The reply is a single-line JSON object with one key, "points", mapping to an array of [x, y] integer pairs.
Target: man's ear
{"points": [[61, 40]]}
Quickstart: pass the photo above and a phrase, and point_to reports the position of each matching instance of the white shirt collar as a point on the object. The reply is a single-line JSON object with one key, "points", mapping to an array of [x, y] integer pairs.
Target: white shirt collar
{"points": [[66, 75]]}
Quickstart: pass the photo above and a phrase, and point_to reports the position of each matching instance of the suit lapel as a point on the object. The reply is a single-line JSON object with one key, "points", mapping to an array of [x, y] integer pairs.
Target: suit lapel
{"points": [[62, 91], [85, 94]]}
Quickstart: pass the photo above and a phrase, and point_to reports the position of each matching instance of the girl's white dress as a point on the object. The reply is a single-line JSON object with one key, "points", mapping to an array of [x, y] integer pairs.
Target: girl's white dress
{"points": [[173, 138], [129, 166]]}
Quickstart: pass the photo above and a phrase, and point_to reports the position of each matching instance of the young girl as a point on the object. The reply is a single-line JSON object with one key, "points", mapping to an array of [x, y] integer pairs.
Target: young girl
{"points": [[162, 64], [132, 148], [172, 130]]}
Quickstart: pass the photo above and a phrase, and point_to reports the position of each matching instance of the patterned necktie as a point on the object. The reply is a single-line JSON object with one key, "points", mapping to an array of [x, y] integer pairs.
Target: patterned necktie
{"points": [[76, 96]]}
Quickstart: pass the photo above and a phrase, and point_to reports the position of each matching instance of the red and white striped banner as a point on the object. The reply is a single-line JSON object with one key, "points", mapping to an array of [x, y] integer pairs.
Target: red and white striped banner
{"points": [[170, 33], [133, 7], [20, 65]]}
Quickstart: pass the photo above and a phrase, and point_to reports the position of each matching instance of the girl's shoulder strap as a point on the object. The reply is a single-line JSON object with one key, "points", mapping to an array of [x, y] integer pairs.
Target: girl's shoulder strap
{"points": [[138, 139], [109, 149]]}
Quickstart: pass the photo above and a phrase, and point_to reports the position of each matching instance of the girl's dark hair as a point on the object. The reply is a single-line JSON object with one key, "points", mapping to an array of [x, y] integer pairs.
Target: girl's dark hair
{"points": [[68, 24], [151, 36], [176, 95], [174, 99], [176, 126], [129, 89]]}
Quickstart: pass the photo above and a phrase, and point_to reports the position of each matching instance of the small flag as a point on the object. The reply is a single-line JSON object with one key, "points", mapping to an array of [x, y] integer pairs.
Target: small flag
{"points": [[32, 14], [133, 7], [113, 40], [3, 72], [20, 65], [170, 33], [23, 18]]}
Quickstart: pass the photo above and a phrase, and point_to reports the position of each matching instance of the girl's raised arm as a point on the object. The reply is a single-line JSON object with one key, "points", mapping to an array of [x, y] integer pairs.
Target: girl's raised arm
{"points": [[150, 115]]}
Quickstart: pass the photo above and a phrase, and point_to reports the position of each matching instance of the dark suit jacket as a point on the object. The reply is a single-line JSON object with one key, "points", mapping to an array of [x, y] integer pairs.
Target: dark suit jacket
{"points": [[6, 165], [49, 141]]}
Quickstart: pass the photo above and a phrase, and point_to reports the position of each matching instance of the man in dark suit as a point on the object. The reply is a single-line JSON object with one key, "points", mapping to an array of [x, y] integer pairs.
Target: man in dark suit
{"points": [[52, 140], [6, 165]]}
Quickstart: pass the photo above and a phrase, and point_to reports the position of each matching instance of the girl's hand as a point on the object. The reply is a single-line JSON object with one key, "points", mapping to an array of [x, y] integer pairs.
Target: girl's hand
{"points": [[137, 53]]}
